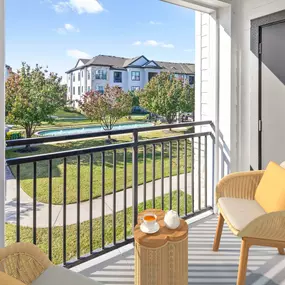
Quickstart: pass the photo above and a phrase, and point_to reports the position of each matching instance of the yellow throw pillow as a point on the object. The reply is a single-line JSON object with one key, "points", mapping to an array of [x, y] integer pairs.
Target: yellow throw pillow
{"points": [[270, 193]]}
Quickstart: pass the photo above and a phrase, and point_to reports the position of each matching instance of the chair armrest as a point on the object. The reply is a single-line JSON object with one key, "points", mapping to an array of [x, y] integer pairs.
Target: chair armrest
{"points": [[269, 226], [239, 185], [6, 279], [26, 256]]}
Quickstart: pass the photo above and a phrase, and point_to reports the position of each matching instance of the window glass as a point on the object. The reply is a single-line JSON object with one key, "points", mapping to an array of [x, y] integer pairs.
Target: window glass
{"points": [[101, 74], [78, 90], [117, 76], [136, 75], [100, 88], [88, 76], [135, 88], [79, 76], [191, 80], [73, 90]]}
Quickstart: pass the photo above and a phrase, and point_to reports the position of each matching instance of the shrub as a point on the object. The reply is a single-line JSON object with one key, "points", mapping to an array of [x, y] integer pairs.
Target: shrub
{"points": [[16, 135]]}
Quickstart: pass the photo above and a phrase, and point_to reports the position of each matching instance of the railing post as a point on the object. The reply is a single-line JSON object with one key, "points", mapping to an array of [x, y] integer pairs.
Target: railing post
{"points": [[135, 177]]}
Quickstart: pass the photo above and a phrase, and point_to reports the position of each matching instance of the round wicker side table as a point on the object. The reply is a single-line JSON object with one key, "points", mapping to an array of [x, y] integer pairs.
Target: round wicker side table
{"points": [[161, 258]]}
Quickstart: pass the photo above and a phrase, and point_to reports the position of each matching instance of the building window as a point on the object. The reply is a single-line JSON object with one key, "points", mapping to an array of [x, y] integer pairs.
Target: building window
{"points": [[73, 91], [101, 74], [135, 88], [191, 80], [151, 75], [100, 88], [89, 88], [68, 76], [73, 77], [136, 76], [88, 74], [79, 76], [78, 90], [82, 89], [69, 89], [117, 77], [82, 73]]}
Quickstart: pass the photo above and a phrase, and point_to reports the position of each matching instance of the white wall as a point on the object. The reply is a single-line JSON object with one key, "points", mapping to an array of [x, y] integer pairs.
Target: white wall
{"points": [[123, 84], [247, 66], [136, 83], [2, 124]]}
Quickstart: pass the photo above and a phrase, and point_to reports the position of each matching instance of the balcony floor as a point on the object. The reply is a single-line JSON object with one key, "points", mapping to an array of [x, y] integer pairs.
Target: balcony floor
{"points": [[205, 267]]}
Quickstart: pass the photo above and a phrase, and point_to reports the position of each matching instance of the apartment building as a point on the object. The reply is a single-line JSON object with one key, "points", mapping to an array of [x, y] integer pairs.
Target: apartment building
{"points": [[127, 73], [7, 71]]}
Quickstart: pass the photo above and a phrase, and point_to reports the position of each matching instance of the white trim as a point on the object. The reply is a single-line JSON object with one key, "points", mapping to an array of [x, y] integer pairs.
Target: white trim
{"points": [[2, 124], [195, 5]]}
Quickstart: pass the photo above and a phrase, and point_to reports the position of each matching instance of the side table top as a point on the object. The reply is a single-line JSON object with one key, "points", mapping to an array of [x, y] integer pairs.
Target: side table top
{"points": [[164, 234]]}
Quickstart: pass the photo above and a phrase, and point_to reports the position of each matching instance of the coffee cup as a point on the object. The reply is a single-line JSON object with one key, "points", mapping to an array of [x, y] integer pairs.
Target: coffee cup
{"points": [[149, 220]]}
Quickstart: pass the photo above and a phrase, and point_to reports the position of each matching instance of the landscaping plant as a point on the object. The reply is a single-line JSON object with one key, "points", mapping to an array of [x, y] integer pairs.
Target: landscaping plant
{"points": [[166, 95], [33, 95], [107, 107]]}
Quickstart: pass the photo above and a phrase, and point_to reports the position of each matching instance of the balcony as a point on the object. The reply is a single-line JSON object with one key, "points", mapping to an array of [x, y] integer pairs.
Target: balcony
{"points": [[94, 236]]}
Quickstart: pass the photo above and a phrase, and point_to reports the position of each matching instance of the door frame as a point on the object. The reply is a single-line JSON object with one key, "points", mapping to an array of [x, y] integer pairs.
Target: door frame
{"points": [[256, 47]]}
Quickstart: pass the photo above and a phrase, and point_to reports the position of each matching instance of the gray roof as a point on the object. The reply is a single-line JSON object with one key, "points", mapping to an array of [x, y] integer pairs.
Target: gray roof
{"points": [[122, 63], [84, 60]]}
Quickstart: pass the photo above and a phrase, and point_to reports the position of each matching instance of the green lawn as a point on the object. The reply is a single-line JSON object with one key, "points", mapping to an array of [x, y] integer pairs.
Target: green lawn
{"points": [[57, 235], [63, 114], [57, 170]]}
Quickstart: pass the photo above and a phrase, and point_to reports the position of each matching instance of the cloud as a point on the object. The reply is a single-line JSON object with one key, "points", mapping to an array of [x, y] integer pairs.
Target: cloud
{"points": [[79, 6], [75, 53], [167, 45], [153, 43], [155, 23], [189, 50], [137, 43], [67, 28]]}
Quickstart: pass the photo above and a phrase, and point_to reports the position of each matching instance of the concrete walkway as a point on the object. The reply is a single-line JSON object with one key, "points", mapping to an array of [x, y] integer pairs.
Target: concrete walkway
{"points": [[26, 204]]}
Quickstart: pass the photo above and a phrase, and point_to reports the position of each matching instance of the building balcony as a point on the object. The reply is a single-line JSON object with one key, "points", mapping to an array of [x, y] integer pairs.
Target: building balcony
{"points": [[92, 233]]}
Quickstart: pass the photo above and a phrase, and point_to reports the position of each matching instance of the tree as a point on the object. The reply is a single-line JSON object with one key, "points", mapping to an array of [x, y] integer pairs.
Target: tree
{"points": [[165, 95], [107, 108], [33, 95], [188, 99]]}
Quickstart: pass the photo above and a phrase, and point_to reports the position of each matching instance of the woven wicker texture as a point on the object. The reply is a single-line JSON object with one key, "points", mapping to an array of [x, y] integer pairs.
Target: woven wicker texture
{"points": [[23, 261], [243, 185], [239, 185]]}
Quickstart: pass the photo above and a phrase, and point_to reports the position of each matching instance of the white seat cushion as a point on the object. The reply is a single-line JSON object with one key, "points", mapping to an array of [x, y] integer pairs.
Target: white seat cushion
{"points": [[56, 275], [240, 212], [283, 164]]}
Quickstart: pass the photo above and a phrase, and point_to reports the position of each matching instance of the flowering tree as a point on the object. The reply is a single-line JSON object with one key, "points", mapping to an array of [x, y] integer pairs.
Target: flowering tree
{"points": [[165, 95], [107, 108], [32, 97]]}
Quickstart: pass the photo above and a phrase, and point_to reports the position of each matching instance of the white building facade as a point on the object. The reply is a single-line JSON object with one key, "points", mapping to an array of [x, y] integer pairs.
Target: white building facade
{"points": [[129, 74]]}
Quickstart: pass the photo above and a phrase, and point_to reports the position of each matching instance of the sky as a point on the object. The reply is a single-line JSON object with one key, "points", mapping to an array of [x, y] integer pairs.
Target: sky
{"points": [[55, 33]]}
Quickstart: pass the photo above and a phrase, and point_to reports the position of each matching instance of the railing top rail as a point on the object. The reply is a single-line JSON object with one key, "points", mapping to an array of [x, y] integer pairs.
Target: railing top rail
{"points": [[98, 149], [34, 141]]}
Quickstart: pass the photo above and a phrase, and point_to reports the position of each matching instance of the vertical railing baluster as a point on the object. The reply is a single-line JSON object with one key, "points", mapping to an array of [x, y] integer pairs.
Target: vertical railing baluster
{"points": [[213, 172], [35, 203], [193, 174], [222, 164], [153, 176], [162, 176], [144, 175], [50, 210], [64, 211], [178, 177], [103, 201], [170, 175], [91, 205], [135, 177], [78, 207], [206, 172], [114, 194], [125, 192], [199, 173], [18, 175], [185, 178]]}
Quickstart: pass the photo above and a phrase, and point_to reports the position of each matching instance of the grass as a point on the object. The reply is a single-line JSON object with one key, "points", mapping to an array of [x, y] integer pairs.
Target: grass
{"points": [[63, 114], [57, 168], [57, 234]]}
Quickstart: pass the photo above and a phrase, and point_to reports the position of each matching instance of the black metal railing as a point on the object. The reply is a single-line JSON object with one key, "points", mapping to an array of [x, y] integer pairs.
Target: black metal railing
{"points": [[169, 172]]}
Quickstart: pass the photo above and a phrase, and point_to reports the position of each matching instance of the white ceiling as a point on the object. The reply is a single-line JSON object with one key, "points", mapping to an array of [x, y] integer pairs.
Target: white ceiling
{"points": [[206, 6]]}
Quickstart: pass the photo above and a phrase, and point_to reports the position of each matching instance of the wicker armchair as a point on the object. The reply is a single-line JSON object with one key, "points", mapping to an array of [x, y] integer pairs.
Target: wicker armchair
{"points": [[23, 261], [254, 225], [26, 264]]}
